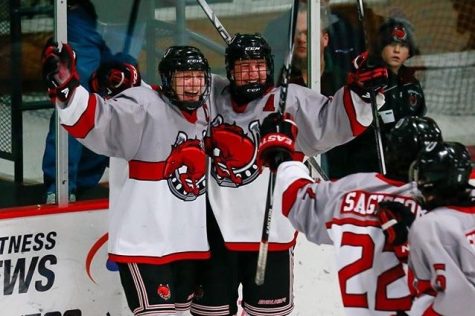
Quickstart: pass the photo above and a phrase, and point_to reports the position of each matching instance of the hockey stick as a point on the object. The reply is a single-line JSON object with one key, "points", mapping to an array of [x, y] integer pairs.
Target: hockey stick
{"points": [[264, 244], [311, 162], [131, 26], [216, 23], [372, 95]]}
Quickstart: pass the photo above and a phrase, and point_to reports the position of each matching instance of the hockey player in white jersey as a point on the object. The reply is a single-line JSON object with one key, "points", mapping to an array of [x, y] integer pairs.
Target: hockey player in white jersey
{"points": [[343, 213], [158, 229], [110, 79], [237, 189], [442, 242]]}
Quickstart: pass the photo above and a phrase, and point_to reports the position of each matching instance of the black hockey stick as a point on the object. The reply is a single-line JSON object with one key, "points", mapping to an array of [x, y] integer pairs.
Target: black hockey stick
{"points": [[216, 23], [131, 26], [311, 162], [372, 95], [264, 244]]}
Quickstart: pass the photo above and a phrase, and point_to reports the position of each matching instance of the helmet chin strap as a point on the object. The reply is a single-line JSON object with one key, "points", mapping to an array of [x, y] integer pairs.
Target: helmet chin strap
{"points": [[248, 92], [189, 106]]}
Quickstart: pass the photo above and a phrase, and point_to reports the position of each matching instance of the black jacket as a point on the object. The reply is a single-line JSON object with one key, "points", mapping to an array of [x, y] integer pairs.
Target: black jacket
{"points": [[404, 97]]}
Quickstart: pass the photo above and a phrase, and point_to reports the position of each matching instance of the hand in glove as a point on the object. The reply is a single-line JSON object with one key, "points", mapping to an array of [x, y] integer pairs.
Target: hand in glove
{"points": [[366, 77], [277, 143], [114, 77], [395, 219], [59, 70]]}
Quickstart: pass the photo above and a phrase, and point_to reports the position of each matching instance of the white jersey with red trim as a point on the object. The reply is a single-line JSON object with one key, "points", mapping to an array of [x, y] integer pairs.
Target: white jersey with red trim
{"points": [[159, 212], [442, 258], [237, 192], [372, 279]]}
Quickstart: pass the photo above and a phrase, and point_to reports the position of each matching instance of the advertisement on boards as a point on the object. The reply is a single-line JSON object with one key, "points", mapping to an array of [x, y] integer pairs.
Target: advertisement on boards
{"points": [[53, 262]]}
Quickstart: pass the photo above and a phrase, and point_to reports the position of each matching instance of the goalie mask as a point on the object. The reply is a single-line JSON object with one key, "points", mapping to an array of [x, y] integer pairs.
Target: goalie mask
{"points": [[185, 75], [406, 139], [442, 173], [249, 47]]}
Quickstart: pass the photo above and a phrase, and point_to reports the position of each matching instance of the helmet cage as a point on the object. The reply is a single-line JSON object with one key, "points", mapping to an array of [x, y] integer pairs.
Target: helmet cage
{"points": [[183, 58], [249, 47]]}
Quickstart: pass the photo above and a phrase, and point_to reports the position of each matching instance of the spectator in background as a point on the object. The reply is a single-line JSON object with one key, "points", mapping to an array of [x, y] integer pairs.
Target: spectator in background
{"points": [[403, 95], [273, 33], [332, 78], [85, 168], [345, 41]]}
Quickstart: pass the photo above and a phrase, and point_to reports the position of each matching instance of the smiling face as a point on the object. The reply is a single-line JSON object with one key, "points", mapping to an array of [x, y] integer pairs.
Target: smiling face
{"points": [[189, 85], [394, 55], [249, 71]]}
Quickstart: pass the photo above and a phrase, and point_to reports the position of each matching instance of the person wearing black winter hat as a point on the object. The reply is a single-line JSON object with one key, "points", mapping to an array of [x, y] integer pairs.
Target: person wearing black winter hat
{"points": [[393, 31], [403, 97]]}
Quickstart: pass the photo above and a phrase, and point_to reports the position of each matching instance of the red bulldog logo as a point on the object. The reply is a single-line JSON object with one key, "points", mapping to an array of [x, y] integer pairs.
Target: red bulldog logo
{"points": [[185, 168], [233, 153]]}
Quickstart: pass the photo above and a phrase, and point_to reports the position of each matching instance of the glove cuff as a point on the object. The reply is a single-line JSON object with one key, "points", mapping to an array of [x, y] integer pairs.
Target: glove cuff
{"points": [[279, 140], [64, 92]]}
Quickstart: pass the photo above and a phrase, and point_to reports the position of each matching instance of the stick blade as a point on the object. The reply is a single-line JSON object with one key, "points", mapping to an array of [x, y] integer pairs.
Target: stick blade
{"points": [[261, 263]]}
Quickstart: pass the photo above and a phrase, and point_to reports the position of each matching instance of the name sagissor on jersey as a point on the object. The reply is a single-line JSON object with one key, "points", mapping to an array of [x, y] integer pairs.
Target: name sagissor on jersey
{"points": [[365, 203]]}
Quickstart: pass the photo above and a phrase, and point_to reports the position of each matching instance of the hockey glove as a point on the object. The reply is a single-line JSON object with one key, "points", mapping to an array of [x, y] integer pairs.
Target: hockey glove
{"points": [[366, 76], [277, 144], [59, 70], [395, 219], [114, 77]]}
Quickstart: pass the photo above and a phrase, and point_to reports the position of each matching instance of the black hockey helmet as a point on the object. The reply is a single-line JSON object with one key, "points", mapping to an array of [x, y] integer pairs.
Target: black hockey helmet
{"points": [[405, 140], [248, 46], [442, 173], [396, 30], [183, 58]]}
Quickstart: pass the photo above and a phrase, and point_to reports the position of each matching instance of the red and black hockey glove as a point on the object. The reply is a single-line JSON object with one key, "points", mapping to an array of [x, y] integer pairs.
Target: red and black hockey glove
{"points": [[277, 143], [59, 70], [395, 219], [366, 76], [114, 77]]}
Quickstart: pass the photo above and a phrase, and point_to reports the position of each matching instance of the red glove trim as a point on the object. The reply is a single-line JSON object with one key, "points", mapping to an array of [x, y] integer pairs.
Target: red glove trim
{"points": [[356, 127], [279, 140], [372, 74]]}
